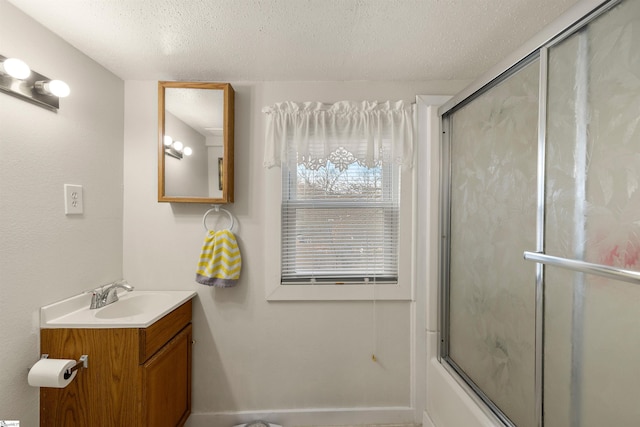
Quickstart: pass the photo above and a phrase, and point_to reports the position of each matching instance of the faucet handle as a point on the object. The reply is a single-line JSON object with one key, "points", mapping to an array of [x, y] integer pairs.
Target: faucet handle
{"points": [[97, 295], [94, 290], [112, 296], [95, 299]]}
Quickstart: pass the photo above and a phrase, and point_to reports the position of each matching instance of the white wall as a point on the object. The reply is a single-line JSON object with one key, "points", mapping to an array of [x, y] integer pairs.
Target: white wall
{"points": [[297, 362], [46, 256]]}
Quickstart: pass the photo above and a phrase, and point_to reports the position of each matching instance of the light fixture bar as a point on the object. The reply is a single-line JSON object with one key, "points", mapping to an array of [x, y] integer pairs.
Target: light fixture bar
{"points": [[173, 153], [25, 89]]}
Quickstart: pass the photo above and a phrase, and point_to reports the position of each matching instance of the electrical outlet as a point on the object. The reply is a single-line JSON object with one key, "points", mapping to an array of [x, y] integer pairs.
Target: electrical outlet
{"points": [[73, 199]]}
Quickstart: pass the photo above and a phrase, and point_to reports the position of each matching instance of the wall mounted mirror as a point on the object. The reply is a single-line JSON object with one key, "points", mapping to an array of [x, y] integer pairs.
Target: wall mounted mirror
{"points": [[195, 148]]}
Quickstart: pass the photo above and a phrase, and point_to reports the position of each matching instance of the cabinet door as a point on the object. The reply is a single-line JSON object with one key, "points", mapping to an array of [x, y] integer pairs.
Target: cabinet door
{"points": [[166, 383]]}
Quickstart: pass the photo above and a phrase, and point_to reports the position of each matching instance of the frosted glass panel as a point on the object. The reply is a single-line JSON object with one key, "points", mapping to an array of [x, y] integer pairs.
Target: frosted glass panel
{"points": [[600, 353], [493, 205], [593, 142], [592, 325]]}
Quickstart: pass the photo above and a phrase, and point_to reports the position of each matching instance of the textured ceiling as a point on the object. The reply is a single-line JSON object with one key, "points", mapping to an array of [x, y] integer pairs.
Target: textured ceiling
{"points": [[234, 40]]}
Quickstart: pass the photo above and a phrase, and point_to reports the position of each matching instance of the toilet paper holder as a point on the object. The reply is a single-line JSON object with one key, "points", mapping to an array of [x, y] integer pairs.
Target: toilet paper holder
{"points": [[83, 362]]}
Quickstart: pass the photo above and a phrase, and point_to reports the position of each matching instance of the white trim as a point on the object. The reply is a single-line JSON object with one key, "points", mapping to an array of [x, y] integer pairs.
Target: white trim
{"points": [[425, 205], [428, 202], [275, 291], [309, 417]]}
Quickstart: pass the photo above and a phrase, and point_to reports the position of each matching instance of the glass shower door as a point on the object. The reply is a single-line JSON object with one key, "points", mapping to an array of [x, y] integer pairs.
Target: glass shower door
{"points": [[555, 344], [491, 322], [592, 207]]}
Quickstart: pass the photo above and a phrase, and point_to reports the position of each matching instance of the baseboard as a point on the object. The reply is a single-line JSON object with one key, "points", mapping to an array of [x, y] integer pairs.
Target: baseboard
{"points": [[308, 417], [426, 420]]}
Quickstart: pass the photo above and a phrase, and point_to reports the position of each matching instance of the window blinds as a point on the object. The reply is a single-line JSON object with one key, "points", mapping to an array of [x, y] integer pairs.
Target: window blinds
{"points": [[340, 227]]}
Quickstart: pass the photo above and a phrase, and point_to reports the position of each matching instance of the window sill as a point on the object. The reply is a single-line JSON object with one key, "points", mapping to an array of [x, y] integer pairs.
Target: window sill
{"points": [[326, 292]]}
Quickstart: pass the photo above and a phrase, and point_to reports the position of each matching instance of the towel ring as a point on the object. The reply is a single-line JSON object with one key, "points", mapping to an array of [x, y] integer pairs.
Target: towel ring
{"points": [[217, 209]]}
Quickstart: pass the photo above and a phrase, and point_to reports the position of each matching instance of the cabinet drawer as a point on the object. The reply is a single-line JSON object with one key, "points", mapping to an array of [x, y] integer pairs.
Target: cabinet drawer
{"points": [[158, 334]]}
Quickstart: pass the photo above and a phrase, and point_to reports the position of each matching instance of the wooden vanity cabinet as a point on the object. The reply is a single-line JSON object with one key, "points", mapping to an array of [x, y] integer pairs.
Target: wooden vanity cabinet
{"points": [[136, 376]]}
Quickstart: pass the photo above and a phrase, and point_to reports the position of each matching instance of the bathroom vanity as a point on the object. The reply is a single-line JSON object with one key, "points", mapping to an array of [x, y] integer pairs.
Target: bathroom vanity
{"points": [[137, 374]]}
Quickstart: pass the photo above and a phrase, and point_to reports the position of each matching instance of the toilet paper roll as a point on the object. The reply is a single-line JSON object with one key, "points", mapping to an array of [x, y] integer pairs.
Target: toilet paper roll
{"points": [[50, 373]]}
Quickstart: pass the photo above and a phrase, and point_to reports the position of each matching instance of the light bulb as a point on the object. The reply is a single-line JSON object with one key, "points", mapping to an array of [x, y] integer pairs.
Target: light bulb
{"points": [[187, 151], [16, 68], [178, 146], [167, 141], [53, 87], [58, 88]]}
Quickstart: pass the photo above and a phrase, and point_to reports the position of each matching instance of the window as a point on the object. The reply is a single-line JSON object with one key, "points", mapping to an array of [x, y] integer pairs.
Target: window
{"points": [[340, 219], [339, 222]]}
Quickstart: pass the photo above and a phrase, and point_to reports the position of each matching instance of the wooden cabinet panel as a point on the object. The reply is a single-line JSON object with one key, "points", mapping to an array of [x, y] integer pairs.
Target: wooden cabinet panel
{"points": [[166, 383], [101, 395]]}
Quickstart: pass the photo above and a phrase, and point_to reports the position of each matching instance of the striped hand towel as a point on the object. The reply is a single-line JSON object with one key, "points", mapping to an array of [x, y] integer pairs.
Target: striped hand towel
{"points": [[220, 261]]}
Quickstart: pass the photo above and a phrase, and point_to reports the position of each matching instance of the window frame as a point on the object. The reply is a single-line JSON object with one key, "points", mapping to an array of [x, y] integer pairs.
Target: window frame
{"points": [[276, 291]]}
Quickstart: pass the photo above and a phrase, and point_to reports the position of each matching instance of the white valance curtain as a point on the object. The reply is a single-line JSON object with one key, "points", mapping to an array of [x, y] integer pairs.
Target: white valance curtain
{"points": [[369, 133]]}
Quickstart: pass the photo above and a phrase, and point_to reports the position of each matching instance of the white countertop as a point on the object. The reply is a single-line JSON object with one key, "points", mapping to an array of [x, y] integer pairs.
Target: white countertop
{"points": [[136, 309]]}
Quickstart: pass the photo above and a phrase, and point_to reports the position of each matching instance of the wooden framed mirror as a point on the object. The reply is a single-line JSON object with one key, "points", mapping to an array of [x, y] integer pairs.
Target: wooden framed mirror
{"points": [[195, 147]]}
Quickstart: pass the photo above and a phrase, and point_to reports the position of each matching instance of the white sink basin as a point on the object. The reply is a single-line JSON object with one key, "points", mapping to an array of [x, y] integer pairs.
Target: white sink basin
{"points": [[136, 309], [134, 305]]}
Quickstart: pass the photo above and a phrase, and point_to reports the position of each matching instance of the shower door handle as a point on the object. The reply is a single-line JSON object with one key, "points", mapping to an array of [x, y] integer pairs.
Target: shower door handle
{"points": [[585, 267]]}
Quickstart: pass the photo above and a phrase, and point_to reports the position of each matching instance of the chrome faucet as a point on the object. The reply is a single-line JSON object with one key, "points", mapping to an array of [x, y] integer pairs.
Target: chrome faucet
{"points": [[108, 294]]}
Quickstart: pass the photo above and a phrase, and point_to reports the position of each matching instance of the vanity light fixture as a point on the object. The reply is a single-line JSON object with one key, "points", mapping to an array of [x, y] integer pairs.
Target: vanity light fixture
{"points": [[17, 79], [175, 148]]}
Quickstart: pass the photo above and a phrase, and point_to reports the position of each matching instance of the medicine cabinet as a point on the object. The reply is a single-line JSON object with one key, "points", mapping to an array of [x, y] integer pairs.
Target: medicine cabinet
{"points": [[195, 147]]}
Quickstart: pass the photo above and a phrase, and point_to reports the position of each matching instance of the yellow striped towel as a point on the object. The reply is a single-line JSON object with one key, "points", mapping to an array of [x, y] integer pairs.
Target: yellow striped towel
{"points": [[220, 261]]}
